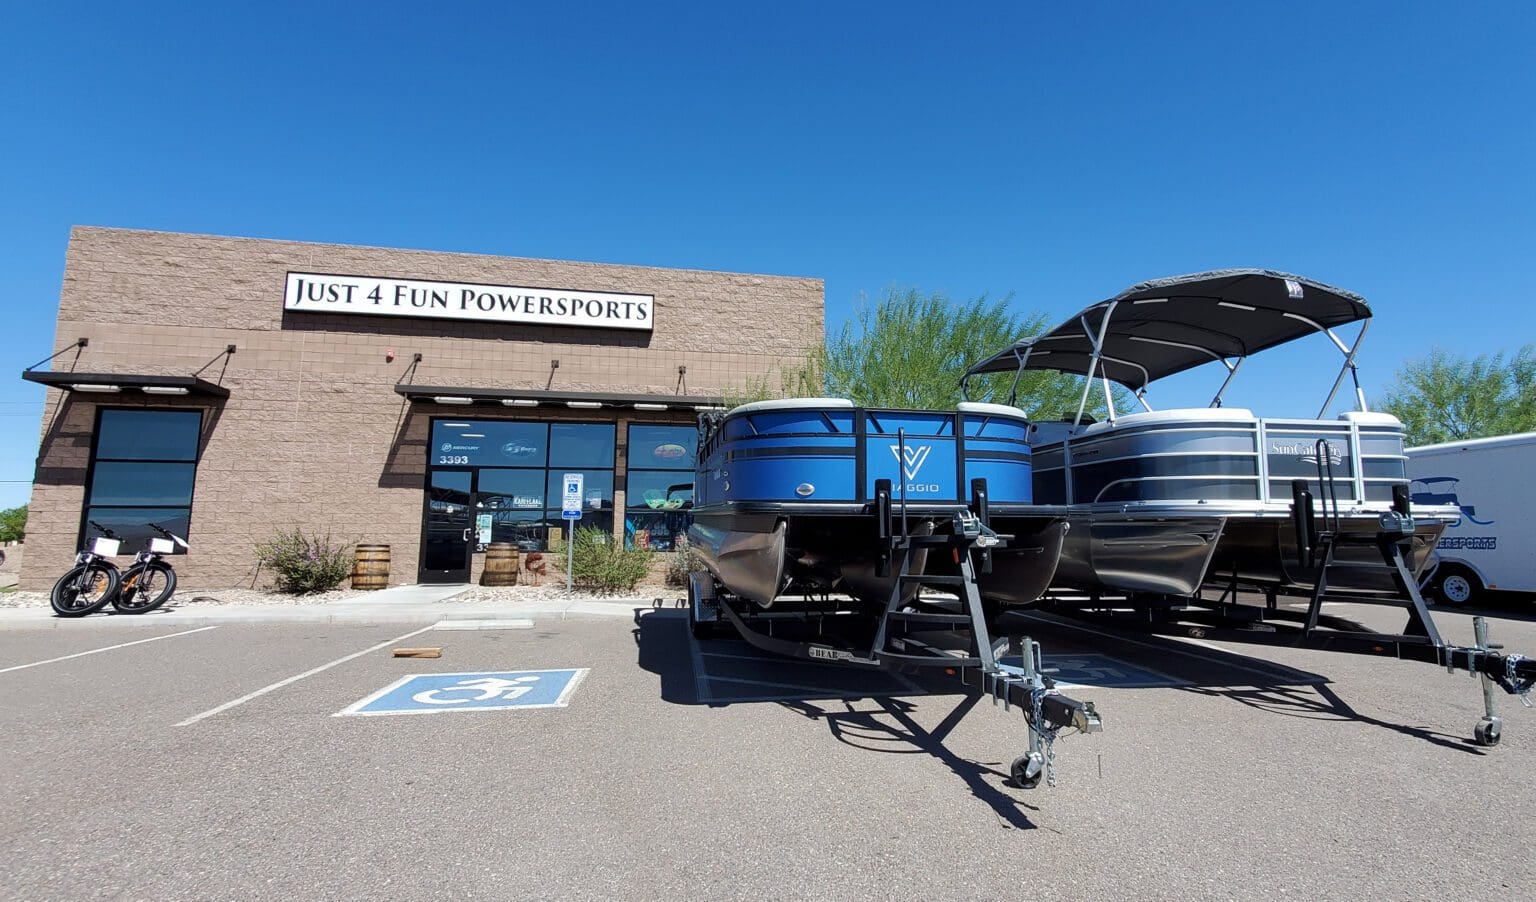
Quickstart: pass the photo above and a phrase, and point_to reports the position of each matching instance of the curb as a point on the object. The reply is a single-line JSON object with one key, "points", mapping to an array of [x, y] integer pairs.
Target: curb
{"points": [[349, 613]]}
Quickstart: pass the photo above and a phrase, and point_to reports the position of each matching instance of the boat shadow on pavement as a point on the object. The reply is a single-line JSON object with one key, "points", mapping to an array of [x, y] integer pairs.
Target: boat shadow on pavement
{"points": [[1254, 682], [883, 712]]}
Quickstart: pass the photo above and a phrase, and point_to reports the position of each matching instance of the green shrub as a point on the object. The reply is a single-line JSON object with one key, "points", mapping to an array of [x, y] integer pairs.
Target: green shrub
{"points": [[685, 560], [13, 524], [603, 564], [303, 564]]}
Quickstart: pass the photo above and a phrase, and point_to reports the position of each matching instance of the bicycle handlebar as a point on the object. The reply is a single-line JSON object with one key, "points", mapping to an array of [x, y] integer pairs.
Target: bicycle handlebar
{"points": [[104, 531], [168, 534]]}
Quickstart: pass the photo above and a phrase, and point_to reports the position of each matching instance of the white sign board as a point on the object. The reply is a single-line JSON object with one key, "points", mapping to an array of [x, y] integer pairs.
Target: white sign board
{"points": [[572, 483], [376, 296]]}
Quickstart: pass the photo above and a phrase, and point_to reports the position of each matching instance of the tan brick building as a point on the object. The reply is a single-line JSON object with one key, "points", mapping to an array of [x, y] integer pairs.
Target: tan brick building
{"points": [[429, 401]]}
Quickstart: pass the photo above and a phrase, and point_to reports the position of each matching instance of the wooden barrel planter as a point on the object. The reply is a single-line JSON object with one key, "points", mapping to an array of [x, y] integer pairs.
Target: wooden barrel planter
{"points": [[370, 567], [501, 562]]}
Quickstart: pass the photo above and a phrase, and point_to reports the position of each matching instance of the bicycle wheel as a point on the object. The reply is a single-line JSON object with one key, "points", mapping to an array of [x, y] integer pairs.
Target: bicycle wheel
{"points": [[85, 589], [145, 587]]}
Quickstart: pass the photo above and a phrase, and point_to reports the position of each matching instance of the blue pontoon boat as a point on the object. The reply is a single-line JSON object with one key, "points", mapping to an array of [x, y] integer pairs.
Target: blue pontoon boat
{"points": [[821, 523], [798, 495]]}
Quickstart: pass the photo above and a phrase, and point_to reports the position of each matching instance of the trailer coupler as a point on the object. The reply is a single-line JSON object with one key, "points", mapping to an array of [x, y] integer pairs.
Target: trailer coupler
{"points": [[1046, 711], [1515, 674]]}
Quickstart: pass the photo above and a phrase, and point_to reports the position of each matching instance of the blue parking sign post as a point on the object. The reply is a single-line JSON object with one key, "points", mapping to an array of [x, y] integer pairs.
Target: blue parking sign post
{"points": [[571, 512]]}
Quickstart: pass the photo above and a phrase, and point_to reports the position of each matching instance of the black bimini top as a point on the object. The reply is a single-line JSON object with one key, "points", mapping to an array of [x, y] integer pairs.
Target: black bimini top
{"points": [[1166, 326]]}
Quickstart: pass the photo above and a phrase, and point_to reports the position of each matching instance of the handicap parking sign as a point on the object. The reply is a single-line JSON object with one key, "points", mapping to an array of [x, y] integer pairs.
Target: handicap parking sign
{"points": [[431, 693], [572, 495]]}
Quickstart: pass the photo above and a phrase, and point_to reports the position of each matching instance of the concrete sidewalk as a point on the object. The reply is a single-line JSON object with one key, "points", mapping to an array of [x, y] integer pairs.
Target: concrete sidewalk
{"points": [[349, 612]]}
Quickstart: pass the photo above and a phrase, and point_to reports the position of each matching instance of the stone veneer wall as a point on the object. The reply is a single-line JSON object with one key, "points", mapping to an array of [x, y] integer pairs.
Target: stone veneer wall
{"points": [[313, 433]]}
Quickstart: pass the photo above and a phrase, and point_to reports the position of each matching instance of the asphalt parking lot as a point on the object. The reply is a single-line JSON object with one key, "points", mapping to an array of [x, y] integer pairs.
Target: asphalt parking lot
{"points": [[211, 763]]}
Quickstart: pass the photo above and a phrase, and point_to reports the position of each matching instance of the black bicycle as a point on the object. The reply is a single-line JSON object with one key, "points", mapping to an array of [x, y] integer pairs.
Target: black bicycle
{"points": [[150, 582], [93, 581]]}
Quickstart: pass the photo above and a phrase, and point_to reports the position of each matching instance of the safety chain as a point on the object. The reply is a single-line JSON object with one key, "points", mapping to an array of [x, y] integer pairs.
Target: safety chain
{"points": [[1520, 687]]}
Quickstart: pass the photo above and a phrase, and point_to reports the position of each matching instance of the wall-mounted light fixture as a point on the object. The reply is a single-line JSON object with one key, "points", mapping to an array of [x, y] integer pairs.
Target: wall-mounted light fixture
{"points": [[165, 390], [584, 405], [452, 399], [519, 402], [94, 387], [643, 406]]}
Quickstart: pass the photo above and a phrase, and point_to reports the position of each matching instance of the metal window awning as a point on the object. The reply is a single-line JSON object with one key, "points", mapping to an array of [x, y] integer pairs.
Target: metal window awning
{"points": [[458, 395], [118, 383]]}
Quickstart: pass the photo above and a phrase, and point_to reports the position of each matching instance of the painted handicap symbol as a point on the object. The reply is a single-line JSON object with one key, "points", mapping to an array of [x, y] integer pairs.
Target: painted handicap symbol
{"points": [[497, 690], [489, 687], [1085, 669], [1103, 671]]}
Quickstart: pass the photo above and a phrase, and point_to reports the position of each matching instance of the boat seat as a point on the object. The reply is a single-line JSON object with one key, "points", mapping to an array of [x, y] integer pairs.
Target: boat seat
{"points": [[1179, 415], [1370, 418], [794, 404], [985, 408]]}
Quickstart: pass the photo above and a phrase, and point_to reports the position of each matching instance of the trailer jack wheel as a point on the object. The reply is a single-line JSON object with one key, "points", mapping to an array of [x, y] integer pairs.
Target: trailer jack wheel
{"points": [[1488, 731], [1027, 770]]}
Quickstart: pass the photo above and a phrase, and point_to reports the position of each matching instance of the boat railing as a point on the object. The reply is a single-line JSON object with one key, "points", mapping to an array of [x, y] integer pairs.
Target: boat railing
{"points": [[1328, 489], [1365, 459]]}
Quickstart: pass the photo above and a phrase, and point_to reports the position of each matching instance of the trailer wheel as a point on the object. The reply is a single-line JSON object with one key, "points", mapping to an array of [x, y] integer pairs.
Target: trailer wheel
{"points": [[1487, 732], [1027, 771], [1455, 585]]}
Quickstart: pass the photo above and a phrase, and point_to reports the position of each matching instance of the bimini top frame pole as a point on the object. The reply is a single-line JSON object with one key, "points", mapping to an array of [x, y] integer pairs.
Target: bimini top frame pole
{"points": [[1349, 352], [1098, 356]]}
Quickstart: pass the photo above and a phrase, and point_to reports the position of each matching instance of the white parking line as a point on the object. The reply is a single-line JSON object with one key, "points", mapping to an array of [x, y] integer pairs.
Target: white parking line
{"points": [[95, 651], [294, 679]]}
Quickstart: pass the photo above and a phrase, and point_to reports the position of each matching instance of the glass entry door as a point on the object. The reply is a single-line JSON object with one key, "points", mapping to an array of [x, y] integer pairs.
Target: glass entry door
{"points": [[448, 527]]}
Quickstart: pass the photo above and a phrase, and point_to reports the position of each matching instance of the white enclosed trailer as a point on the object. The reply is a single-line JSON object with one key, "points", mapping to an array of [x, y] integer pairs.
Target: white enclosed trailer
{"points": [[1493, 481]]}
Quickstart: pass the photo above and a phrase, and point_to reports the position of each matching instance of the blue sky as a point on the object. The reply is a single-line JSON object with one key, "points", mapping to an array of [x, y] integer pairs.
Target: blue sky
{"points": [[1058, 152]]}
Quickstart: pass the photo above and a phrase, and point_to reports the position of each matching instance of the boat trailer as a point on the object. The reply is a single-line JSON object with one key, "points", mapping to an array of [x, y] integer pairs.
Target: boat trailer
{"points": [[1226, 619], [909, 633]]}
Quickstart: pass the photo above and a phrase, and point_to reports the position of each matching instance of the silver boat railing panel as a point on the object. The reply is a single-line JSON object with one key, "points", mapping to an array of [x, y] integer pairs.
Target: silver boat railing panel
{"points": [[1219, 461]]}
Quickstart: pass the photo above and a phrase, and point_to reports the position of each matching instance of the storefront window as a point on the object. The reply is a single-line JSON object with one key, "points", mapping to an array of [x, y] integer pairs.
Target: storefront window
{"points": [[581, 445], [516, 469], [659, 487], [143, 467], [512, 489], [597, 490], [488, 443]]}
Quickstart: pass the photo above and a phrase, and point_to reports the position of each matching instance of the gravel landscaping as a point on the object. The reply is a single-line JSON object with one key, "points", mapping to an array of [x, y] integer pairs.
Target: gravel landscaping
{"points": [[557, 592]]}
